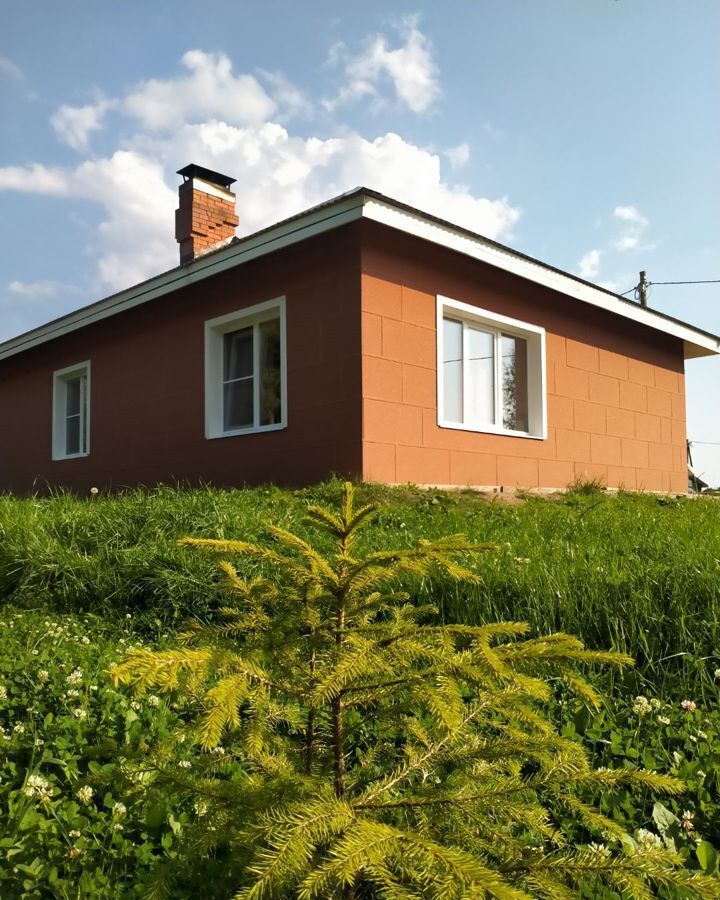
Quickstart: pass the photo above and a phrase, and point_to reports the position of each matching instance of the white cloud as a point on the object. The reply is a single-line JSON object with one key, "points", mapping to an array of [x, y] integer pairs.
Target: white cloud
{"points": [[589, 265], [10, 69], [74, 124], [634, 225], [209, 90], [290, 100], [630, 214], [458, 156], [410, 68], [278, 173], [34, 289]]}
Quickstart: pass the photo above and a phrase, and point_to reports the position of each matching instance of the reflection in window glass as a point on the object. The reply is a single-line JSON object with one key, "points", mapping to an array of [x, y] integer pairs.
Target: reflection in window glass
{"points": [[270, 408], [514, 383], [452, 370], [238, 379], [75, 415], [480, 376]]}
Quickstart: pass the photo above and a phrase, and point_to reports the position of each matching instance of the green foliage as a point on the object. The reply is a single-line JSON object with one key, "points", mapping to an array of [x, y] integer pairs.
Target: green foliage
{"points": [[380, 754], [632, 572]]}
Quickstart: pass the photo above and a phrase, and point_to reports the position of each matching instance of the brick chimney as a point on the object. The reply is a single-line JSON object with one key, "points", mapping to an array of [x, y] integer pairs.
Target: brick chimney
{"points": [[205, 217]]}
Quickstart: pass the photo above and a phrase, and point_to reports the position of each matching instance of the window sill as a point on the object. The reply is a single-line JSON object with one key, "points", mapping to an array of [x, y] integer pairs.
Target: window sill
{"points": [[239, 432], [488, 429], [71, 456]]}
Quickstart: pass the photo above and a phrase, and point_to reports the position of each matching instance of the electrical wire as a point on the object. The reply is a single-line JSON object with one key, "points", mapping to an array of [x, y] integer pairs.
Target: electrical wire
{"points": [[709, 281], [706, 443]]}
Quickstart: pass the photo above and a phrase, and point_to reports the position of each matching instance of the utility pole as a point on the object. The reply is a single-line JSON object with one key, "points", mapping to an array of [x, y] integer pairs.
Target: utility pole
{"points": [[642, 289]]}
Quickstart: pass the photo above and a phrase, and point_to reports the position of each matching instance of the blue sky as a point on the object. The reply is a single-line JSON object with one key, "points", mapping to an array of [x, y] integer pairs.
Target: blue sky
{"points": [[584, 133]]}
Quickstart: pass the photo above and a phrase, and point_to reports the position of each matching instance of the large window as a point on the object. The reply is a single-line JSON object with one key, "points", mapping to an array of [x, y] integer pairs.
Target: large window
{"points": [[245, 380], [71, 412], [491, 372]]}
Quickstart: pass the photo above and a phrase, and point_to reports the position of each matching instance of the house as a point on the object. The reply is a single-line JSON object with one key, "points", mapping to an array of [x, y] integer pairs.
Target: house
{"points": [[362, 337]]}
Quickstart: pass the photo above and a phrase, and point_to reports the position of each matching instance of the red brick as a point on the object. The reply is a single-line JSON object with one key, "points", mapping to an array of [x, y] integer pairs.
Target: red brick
{"points": [[554, 474], [555, 348], [604, 389], [605, 450], [518, 472], [381, 297], [590, 417], [647, 428], [582, 356], [665, 431], [668, 381], [634, 453], [371, 334], [391, 423], [418, 308], [392, 339], [641, 372], [614, 364], [679, 434], [633, 396], [379, 462], [473, 468], [560, 411], [419, 386], [382, 379], [418, 346], [571, 382], [422, 465], [573, 445], [678, 406], [659, 402], [621, 422]]}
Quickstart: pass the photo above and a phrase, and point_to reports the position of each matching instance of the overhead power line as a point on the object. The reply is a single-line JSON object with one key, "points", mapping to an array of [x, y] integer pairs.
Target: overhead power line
{"points": [[708, 281]]}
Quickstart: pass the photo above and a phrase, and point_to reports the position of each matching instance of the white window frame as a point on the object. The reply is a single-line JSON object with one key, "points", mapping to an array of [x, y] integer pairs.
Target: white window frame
{"points": [[497, 324], [215, 329], [59, 414]]}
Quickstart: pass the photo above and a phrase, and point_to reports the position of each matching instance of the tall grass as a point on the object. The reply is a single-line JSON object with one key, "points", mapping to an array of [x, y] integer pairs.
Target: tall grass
{"points": [[633, 572]]}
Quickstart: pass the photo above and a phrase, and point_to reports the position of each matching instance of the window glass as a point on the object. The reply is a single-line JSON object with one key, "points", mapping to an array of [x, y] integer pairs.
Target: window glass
{"points": [[514, 383], [238, 404], [238, 354], [270, 410], [72, 396], [480, 376], [72, 435], [75, 406], [452, 370]]}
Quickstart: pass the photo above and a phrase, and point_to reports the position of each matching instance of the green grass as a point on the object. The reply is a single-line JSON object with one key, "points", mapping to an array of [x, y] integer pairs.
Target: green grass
{"points": [[634, 572]]}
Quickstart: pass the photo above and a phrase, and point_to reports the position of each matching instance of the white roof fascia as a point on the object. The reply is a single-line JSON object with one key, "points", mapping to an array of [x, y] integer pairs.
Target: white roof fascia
{"points": [[315, 222], [696, 343]]}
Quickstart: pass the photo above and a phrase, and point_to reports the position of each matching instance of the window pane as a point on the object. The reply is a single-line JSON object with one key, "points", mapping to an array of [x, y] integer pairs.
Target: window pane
{"points": [[481, 376], [72, 397], [72, 435], [238, 404], [238, 354], [270, 410], [514, 383], [452, 371]]}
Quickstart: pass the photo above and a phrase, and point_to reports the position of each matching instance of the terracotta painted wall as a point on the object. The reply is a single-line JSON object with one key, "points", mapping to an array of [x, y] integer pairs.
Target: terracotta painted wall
{"points": [[616, 390], [147, 395]]}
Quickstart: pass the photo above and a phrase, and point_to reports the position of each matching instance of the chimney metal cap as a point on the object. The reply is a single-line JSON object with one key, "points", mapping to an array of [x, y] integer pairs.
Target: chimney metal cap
{"points": [[193, 171]]}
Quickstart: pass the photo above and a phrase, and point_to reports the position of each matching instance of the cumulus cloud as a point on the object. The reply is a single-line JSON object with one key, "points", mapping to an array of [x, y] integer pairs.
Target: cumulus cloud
{"points": [[589, 265], [211, 89], [10, 69], [633, 224], [229, 123], [34, 289], [458, 156], [410, 69], [74, 124]]}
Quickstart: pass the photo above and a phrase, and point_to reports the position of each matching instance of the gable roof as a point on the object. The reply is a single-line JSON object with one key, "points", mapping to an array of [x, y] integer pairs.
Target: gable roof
{"points": [[368, 204]]}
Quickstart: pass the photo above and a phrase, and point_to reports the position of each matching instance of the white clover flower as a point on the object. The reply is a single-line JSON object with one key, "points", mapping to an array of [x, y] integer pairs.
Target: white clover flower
{"points": [[655, 703], [85, 794], [599, 850], [641, 706], [686, 821], [75, 677], [80, 713], [184, 764], [93, 687], [135, 704], [43, 675], [72, 692], [37, 787], [153, 700], [688, 706], [200, 807], [3, 692], [39, 742], [648, 840], [74, 833], [119, 810], [716, 674], [4, 735], [118, 827], [128, 615], [663, 720], [701, 735], [19, 728], [35, 652], [74, 853]]}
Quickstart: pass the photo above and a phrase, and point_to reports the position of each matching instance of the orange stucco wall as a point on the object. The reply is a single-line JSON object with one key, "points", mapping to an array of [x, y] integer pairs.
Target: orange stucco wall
{"points": [[615, 389]]}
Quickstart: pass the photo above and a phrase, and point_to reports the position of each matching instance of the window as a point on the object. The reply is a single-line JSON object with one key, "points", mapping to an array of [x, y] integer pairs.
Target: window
{"points": [[71, 412], [245, 379], [491, 372]]}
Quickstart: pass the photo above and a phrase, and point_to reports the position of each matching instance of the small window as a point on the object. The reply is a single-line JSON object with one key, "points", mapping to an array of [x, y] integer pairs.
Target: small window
{"points": [[245, 384], [71, 412], [491, 372]]}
